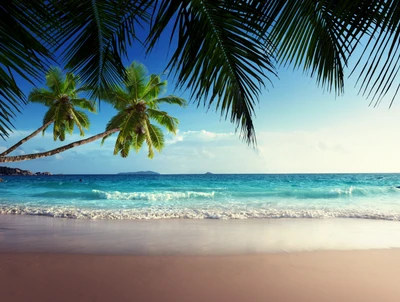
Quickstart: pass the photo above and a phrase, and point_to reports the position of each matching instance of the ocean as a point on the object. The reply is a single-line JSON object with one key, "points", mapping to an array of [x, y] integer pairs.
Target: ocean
{"points": [[216, 196]]}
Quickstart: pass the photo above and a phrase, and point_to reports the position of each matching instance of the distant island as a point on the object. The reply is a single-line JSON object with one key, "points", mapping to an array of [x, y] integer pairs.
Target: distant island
{"points": [[16, 171], [140, 173], [209, 173]]}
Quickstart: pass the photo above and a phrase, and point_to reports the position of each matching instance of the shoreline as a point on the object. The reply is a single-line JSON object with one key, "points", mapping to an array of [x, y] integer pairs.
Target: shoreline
{"points": [[37, 234], [366, 276]]}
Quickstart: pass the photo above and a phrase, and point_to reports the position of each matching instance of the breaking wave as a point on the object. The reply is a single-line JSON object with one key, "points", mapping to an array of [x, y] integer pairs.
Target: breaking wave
{"points": [[187, 213], [154, 196]]}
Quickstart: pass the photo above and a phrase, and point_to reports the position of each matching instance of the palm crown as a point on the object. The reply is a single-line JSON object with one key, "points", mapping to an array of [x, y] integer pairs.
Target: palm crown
{"points": [[137, 102], [61, 98]]}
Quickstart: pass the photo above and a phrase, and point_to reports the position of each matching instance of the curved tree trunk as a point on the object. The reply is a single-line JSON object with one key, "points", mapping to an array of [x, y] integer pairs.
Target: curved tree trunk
{"points": [[9, 159], [11, 149]]}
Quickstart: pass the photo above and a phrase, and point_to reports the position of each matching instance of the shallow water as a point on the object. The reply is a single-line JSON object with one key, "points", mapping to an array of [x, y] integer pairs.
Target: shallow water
{"points": [[243, 196]]}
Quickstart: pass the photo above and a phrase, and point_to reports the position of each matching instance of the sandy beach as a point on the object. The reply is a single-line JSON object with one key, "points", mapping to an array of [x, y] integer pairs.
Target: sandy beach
{"points": [[308, 276], [48, 259]]}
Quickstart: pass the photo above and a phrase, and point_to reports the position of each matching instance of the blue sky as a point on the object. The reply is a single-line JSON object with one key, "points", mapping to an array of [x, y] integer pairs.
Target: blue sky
{"points": [[300, 129]]}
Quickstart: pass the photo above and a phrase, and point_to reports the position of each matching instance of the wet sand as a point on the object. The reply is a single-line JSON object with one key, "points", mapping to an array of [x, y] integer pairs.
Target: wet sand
{"points": [[47, 259], [307, 276], [38, 234]]}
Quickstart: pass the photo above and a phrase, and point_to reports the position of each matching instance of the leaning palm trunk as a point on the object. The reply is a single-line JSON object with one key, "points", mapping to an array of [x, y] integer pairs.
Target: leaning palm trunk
{"points": [[8, 159], [11, 149]]}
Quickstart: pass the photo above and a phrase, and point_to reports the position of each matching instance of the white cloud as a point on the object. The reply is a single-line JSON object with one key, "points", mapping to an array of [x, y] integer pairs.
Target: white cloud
{"points": [[207, 135], [200, 136], [173, 139]]}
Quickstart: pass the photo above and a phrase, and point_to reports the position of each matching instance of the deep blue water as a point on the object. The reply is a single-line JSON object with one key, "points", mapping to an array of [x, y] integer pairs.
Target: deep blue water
{"points": [[226, 196]]}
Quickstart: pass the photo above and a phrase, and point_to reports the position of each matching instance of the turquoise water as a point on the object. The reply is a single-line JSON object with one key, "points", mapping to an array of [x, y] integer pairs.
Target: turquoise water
{"points": [[239, 196]]}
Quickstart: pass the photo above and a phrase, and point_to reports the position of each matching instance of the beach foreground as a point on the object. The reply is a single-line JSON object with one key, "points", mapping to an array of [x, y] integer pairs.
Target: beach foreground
{"points": [[308, 276], [49, 259]]}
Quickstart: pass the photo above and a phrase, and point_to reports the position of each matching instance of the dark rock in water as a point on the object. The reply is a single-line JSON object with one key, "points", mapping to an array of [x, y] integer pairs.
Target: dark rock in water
{"points": [[1, 180], [43, 173], [397, 187], [16, 171]]}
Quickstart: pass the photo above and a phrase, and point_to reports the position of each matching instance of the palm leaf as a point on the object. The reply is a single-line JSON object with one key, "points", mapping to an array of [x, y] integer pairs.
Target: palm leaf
{"points": [[379, 62], [232, 59], [117, 97], [154, 88], [318, 37], [70, 125], [26, 29], [135, 82], [70, 83], [80, 119], [137, 141], [55, 80], [157, 136], [84, 104], [42, 96], [98, 33], [62, 130], [49, 116], [162, 117], [171, 99], [148, 139], [116, 121]]}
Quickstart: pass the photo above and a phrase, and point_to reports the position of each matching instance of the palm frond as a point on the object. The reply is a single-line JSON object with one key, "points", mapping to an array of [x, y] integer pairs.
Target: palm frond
{"points": [[116, 121], [49, 116], [148, 139], [55, 80], [117, 97], [154, 88], [171, 99], [6, 115], [11, 99], [319, 37], [157, 136], [62, 130], [70, 125], [81, 120], [98, 33], [42, 96], [379, 62], [136, 79], [137, 141], [70, 84], [26, 29], [231, 60], [84, 104], [162, 117]]}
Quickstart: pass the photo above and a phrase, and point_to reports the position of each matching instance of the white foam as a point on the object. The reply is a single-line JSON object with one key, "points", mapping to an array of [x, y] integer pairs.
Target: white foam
{"points": [[205, 213], [168, 195]]}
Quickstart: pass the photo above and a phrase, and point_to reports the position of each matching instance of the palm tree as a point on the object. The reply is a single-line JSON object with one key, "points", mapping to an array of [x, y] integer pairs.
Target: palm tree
{"points": [[61, 98], [138, 103], [225, 52]]}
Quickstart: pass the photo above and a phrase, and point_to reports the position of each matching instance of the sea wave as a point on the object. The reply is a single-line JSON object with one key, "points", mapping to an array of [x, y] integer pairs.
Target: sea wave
{"points": [[117, 195], [207, 213], [331, 192], [153, 196]]}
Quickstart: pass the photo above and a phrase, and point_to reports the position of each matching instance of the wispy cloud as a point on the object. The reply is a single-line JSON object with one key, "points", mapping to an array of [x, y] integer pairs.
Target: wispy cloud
{"points": [[200, 136]]}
